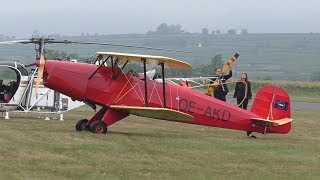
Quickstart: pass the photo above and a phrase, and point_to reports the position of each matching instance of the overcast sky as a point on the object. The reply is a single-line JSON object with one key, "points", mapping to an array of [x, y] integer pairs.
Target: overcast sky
{"points": [[71, 17]]}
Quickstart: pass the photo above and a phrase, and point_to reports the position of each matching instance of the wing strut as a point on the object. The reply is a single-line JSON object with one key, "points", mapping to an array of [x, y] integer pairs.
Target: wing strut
{"points": [[163, 86], [112, 67], [99, 67], [145, 82]]}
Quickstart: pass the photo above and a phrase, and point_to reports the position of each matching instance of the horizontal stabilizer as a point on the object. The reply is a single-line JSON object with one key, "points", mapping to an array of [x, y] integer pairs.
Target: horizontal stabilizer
{"points": [[157, 113], [272, 122]]}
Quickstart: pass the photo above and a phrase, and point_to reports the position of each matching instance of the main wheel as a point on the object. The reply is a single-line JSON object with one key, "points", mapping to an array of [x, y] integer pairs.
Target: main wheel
{"points": [[98, 127], [82, 125]]}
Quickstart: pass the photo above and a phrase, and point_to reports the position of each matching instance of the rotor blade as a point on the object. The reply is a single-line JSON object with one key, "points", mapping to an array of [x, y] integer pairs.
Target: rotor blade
{"points": [[120, 45], [90, 43], [40, 73], [14, 42]]}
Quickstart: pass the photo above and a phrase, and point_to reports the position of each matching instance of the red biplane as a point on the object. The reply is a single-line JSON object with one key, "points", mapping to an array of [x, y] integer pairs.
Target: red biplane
{"points": [[120, 94]]}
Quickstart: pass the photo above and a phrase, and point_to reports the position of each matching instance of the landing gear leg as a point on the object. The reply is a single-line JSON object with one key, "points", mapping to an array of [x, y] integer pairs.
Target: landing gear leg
{"points": [[249, 135], [100, 122], [7, 115], [90, 125]]}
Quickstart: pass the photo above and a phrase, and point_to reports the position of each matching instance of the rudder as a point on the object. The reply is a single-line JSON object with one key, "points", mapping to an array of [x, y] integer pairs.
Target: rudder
{"points": [[273, 103]]}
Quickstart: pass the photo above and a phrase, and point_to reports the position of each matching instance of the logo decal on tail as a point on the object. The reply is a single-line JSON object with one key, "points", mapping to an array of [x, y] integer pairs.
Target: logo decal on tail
{"points": [[282, 105]]}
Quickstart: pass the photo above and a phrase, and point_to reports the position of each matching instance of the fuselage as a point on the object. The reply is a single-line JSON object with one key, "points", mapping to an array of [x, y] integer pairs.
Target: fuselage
{"points": [[108, 88]]}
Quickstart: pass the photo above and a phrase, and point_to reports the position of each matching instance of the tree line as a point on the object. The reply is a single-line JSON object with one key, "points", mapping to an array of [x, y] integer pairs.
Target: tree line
{"points": [[173, 29]]}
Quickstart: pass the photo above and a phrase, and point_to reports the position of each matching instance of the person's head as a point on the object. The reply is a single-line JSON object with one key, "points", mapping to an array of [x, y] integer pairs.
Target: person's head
{"points": [[244, 77], [218, 71], [130, 72]]}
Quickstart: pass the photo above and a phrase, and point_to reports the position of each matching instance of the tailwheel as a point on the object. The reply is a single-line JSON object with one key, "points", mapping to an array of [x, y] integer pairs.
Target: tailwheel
{"points": [[98, 127], [82, 125], [249, 135]]}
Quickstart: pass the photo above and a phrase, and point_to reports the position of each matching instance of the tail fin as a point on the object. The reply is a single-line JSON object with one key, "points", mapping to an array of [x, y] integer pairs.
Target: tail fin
{"points": [[273, 103]]}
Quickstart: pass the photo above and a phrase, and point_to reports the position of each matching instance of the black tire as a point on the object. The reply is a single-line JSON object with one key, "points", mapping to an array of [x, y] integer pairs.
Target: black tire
{"points": [[82, 125], [98, 127]]}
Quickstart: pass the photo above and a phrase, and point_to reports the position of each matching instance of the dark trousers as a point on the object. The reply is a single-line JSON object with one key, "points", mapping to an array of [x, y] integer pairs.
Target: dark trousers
{"points": [[220, 97], [244, 105], [2, 97]]}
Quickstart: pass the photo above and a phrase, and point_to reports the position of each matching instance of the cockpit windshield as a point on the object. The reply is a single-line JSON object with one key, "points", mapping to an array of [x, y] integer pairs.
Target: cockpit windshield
{"points": [[9, 83]]}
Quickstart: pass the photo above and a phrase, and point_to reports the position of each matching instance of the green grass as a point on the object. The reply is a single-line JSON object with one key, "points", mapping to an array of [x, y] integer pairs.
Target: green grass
{"points": [[141, 148]]}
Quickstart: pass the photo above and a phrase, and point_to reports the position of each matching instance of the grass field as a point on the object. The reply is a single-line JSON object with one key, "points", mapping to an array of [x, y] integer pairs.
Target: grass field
{"points": [[141, 148]]}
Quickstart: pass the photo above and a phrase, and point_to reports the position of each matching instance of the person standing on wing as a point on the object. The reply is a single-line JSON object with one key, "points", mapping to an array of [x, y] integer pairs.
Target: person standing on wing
{"points": [[242, 92], [222, 90]]}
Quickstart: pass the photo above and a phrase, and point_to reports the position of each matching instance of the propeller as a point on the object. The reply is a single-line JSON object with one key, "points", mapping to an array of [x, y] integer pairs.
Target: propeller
{"points": [[228, 65], [225, 69], [40, 73], [41, 51]]}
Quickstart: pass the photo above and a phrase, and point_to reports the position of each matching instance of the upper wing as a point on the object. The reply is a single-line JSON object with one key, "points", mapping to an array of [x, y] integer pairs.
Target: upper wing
{"points": [[157, 113], [168, 62]]}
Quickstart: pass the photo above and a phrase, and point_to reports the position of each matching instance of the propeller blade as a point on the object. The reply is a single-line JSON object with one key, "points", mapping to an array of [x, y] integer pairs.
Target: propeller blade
{"points": [[228, 65], [14, 42], [40, 73], [120, 45], [212, 87]]}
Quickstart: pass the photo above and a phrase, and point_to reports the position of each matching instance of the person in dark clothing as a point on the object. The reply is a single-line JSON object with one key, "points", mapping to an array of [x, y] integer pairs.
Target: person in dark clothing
{"points": [[222, 90], [240, 91], [2, 91]]}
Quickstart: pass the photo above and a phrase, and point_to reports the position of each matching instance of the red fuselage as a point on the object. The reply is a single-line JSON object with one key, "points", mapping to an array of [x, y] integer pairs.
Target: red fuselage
{"points": [[72, 79]]}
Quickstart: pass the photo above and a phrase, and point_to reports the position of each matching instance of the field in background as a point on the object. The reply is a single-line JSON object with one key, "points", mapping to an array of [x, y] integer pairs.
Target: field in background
{"points": [[298, 91], [142, 148], [275, 56]]}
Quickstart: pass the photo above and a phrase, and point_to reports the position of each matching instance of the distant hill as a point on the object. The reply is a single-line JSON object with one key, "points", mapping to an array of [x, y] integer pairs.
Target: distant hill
{"points": [[275, 56]]}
